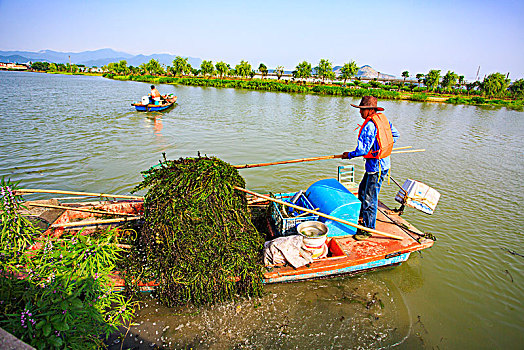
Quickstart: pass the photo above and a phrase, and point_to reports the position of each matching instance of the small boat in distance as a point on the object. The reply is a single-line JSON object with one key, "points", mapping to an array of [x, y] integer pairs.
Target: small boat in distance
{"points": [[145, 106]]}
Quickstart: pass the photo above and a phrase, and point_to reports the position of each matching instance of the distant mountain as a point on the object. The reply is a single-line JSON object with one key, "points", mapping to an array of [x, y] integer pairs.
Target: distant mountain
{"points": [[365, 72], [96, 58], [368, 72], [63, 57], [13, 59]]}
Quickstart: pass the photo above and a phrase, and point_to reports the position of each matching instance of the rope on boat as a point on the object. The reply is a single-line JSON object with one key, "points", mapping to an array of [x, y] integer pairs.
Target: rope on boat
{"points": [[403, 227]]}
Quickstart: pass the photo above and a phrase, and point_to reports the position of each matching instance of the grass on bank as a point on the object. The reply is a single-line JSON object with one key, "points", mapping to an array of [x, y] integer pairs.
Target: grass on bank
{"points": [[333, 89]]}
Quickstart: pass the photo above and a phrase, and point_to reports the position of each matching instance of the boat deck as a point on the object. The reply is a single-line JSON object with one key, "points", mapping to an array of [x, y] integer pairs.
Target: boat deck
{"points": [[349, 256]]}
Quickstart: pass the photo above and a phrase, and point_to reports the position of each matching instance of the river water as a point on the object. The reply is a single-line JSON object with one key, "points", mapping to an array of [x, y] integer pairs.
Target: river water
{"points": [[466, 292]]}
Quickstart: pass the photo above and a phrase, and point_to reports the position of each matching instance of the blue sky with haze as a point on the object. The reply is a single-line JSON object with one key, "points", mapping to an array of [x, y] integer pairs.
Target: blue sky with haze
{"points": [[390, 36]]}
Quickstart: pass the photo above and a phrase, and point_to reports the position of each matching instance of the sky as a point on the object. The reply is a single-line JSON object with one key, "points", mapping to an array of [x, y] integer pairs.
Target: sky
{"points": [[390, 36]]}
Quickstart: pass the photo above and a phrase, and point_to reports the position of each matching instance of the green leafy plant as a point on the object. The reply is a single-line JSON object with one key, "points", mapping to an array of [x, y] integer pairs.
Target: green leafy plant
{"points": [[419, 97], [197, 241], [56, 293]]}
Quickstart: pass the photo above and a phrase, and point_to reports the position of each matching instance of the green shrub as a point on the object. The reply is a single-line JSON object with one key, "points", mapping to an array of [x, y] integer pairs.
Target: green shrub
{"points": [[478, 100], [419, 97], [61, 295], [457, 100]]}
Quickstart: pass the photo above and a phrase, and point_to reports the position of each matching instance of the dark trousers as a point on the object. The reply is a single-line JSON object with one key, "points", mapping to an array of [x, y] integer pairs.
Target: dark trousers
{"points": [[368, 195]]}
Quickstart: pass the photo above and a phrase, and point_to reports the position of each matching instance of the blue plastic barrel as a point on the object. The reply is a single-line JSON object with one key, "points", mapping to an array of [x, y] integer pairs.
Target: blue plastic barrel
{"points": [[332, 198]]}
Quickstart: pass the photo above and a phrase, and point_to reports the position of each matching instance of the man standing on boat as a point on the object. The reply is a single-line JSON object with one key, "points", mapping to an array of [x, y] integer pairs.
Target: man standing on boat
{"points": [[375, 143]]}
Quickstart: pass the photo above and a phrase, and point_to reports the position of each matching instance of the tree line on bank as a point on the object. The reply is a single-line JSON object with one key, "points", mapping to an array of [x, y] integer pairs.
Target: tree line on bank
{"points": [[493, 85], [62, 67]]}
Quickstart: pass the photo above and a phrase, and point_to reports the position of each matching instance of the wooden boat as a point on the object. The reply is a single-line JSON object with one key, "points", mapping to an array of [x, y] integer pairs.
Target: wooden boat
{"points": [[169, 100], [345, 254]]}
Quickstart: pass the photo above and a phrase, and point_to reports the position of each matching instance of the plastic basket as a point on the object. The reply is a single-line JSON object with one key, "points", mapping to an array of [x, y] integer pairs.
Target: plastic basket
{"points": [[286, 226]]}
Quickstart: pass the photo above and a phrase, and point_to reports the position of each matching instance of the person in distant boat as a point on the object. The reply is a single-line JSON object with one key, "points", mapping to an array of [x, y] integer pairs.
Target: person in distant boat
{"points": [[154, 96], [375, 143]]}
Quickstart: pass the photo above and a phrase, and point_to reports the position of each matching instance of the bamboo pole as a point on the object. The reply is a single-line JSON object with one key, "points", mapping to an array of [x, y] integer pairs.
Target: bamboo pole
{"points": [[334, 156], [26, 191], [370, 230], [95, 222], [288, 161], [95, 211], [410, 151]]}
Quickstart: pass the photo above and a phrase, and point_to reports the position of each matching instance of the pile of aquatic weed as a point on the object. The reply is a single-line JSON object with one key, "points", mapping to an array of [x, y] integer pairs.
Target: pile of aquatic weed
{"points": [[197, 242]]}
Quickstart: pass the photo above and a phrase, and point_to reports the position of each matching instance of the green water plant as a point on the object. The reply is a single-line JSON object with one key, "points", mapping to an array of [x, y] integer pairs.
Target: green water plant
{"points": [[197, 241], [419, 97], [56, 293]]}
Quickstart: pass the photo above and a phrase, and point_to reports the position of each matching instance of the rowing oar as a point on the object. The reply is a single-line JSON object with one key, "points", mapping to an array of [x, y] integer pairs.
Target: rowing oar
{"points": [[246, 166], [26, 191], [94, 211], [370, 230]]}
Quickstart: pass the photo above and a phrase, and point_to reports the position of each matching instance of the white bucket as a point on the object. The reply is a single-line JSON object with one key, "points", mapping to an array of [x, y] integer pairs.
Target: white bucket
{"points": [[318, 253], [314, 234], [145, 100]]}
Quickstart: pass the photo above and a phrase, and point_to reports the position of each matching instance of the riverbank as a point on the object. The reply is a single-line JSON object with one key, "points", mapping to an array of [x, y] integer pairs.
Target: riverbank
{"points": [[321, 89], [76, 73]]}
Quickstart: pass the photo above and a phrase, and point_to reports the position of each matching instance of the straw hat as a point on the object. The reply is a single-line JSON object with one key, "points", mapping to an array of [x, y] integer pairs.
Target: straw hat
{"points": [[368, 102]]}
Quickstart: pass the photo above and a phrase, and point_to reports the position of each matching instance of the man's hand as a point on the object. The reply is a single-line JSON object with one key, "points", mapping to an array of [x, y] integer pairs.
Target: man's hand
{"points": [[346, 155]]}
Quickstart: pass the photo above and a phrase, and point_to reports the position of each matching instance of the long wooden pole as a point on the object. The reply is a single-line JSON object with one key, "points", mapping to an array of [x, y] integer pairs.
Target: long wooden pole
{"points": [[410, 151], [29, 204], [95, 222], [334, 156], [288, 161], [26, 190], [370, 230]]}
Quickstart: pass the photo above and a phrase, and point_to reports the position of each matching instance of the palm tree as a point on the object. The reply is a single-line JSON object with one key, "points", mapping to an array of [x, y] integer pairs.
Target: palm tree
{"points": [[432, 79], [207, 68], [243, 69], [460, 81], [279, 71], [348, 70], [495, 84], [449, 80], [405, 74], [262, 69], [419, 76], [180, 65], [303, 70], [324, 68], [221, 68]]}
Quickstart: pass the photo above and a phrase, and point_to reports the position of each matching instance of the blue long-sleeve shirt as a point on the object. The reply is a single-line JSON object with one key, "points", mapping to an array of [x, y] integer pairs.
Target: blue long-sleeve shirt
{"points": [[368, 140]]}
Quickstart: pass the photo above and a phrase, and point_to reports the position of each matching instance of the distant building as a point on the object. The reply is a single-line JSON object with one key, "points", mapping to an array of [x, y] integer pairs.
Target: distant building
{"points": [[13, 66]]}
